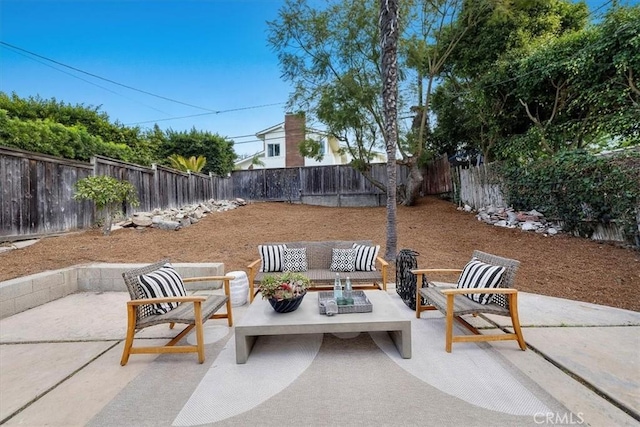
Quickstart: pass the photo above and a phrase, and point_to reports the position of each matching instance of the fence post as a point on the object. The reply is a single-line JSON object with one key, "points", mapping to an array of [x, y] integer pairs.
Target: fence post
{"points": [[156, 185]]}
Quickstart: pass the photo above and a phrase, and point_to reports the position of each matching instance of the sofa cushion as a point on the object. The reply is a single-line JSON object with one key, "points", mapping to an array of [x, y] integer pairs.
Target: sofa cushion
{"points": [[343, 259], [325, 277], [161, 283], [271, 257], [479, 275], [294, 259], [366, 257]]}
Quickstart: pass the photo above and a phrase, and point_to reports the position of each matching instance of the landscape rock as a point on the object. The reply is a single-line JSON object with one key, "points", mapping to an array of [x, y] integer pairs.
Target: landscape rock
{"points": [[141, 220], [531, 220], [168, 225], [177, 218]]}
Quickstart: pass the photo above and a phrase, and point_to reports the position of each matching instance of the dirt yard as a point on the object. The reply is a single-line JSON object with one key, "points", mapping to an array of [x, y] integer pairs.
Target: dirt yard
{"points": [[559, 266]]}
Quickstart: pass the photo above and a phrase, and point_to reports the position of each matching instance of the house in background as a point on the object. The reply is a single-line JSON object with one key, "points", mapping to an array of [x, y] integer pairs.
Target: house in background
{"points": [[280, 146]]}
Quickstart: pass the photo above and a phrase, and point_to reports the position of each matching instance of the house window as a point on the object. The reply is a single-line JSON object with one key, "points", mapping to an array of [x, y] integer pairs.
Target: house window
{"points": [[323, 144], [273, 150]]}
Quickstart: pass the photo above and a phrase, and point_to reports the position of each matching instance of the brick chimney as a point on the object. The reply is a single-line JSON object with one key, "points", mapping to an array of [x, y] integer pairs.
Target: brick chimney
{"points": [[294, 134]]}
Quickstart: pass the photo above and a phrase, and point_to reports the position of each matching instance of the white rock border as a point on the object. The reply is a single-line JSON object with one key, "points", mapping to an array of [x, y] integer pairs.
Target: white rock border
{"points": [[507, 217]]}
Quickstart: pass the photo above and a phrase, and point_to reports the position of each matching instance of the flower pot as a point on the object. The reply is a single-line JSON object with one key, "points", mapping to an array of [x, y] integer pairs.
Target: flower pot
{"points": [[286, 305]]}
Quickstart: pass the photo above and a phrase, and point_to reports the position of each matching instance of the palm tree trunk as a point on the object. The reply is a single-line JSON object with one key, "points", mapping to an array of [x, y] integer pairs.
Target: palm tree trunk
{"points": [[389, 45]]}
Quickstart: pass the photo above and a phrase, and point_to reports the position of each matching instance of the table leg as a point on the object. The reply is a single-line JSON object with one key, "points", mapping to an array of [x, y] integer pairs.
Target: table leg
{"points": [[244, 345]]}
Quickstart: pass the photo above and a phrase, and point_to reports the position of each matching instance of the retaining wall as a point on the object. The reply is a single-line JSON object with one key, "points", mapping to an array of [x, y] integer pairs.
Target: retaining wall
{"points": [[23, 293]]}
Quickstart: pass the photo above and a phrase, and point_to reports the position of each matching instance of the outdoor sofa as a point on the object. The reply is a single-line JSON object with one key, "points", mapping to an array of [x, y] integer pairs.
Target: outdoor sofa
{"points": [[315, 262]]}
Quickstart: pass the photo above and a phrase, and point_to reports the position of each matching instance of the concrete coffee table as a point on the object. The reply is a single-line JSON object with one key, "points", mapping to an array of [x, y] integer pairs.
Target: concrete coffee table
{"points": [[261, 319]]}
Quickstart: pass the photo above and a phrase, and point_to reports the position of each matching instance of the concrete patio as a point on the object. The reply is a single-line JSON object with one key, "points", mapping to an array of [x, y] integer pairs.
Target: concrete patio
{"points": [[56, 354]]}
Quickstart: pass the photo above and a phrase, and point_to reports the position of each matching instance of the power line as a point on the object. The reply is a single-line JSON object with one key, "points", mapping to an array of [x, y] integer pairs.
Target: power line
{"points": [[5, 44], [206, 114], [85, 80]]}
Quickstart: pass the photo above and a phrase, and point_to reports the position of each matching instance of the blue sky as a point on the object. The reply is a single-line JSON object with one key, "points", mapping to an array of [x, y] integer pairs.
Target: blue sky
{"points": [[211, 54]]}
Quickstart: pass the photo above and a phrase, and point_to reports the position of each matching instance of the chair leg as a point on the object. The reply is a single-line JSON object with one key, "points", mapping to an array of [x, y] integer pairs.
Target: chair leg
{"points": [[229, 313], [199, 332], [515, 321], [131, 330], [449, 324]]}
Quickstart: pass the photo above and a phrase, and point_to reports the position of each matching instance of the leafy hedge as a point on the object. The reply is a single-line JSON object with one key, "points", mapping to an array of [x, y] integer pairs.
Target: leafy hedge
{"points": [[579, 189], [56, 139]]}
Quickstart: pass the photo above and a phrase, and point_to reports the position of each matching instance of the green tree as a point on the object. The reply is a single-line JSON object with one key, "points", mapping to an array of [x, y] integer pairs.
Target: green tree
{"points": [[107, 193], [487, 74], [332, 57]]}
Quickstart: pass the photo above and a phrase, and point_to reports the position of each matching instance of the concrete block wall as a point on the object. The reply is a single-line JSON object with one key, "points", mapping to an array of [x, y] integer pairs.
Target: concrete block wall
{"points": [[23, 293], [107, 277]]}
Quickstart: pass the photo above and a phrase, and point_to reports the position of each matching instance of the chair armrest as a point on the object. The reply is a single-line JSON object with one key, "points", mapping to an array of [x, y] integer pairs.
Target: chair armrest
{"points": [[384, 265], [225, 281], [253, 264], [457, 291], [206, 278], [382, 261], [144, 301]]}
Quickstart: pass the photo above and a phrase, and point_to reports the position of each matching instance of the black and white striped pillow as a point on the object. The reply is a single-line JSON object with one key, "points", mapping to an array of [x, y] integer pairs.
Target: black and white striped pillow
{"points": [[477, 274], [294, 259], [164, 282], [271, 257], [366, 257]]}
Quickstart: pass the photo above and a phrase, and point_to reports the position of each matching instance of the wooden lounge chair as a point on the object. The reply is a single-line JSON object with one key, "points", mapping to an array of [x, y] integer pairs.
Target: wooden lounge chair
{"points": [[453, 303], [191, 310]]}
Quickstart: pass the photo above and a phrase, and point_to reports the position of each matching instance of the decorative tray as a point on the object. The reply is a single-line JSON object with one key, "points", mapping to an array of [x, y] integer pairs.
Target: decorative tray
{"points": [[361, 303]]}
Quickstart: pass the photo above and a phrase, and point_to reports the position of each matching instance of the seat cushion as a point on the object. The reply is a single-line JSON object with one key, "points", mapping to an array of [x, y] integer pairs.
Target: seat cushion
{"points": [[321, 278], [461, 305], [163, 282], [478, 275], [185, 313]]}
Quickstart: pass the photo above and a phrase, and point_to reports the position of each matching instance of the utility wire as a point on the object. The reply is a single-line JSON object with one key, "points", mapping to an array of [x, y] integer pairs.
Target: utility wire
{"points": [[207, 114], [84, 80], [5, 44]]}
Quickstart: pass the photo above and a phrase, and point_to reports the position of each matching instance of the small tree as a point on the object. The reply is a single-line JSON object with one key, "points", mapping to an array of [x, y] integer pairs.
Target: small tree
{"points": [[107, 193]]}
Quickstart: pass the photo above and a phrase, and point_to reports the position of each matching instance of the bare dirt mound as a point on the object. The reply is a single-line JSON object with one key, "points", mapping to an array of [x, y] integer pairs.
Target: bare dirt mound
{"points": [[560, 266]]}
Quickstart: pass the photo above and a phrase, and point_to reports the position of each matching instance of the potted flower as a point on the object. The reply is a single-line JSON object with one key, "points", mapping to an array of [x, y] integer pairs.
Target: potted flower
{"points": [[284, 291]]}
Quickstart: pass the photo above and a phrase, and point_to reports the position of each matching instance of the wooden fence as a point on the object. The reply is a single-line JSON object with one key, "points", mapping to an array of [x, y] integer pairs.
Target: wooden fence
{"points": [[477, 186], [36, 191], [36, 194]]}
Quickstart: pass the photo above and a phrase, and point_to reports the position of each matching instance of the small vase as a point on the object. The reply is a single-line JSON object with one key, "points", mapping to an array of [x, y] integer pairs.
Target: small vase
{"points": [[286, 305]]}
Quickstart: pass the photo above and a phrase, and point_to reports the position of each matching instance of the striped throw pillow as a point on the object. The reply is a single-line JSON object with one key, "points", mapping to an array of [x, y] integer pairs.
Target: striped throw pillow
{"points": [[164, 282], [271, 257], [477, 274], [366, 257]]}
